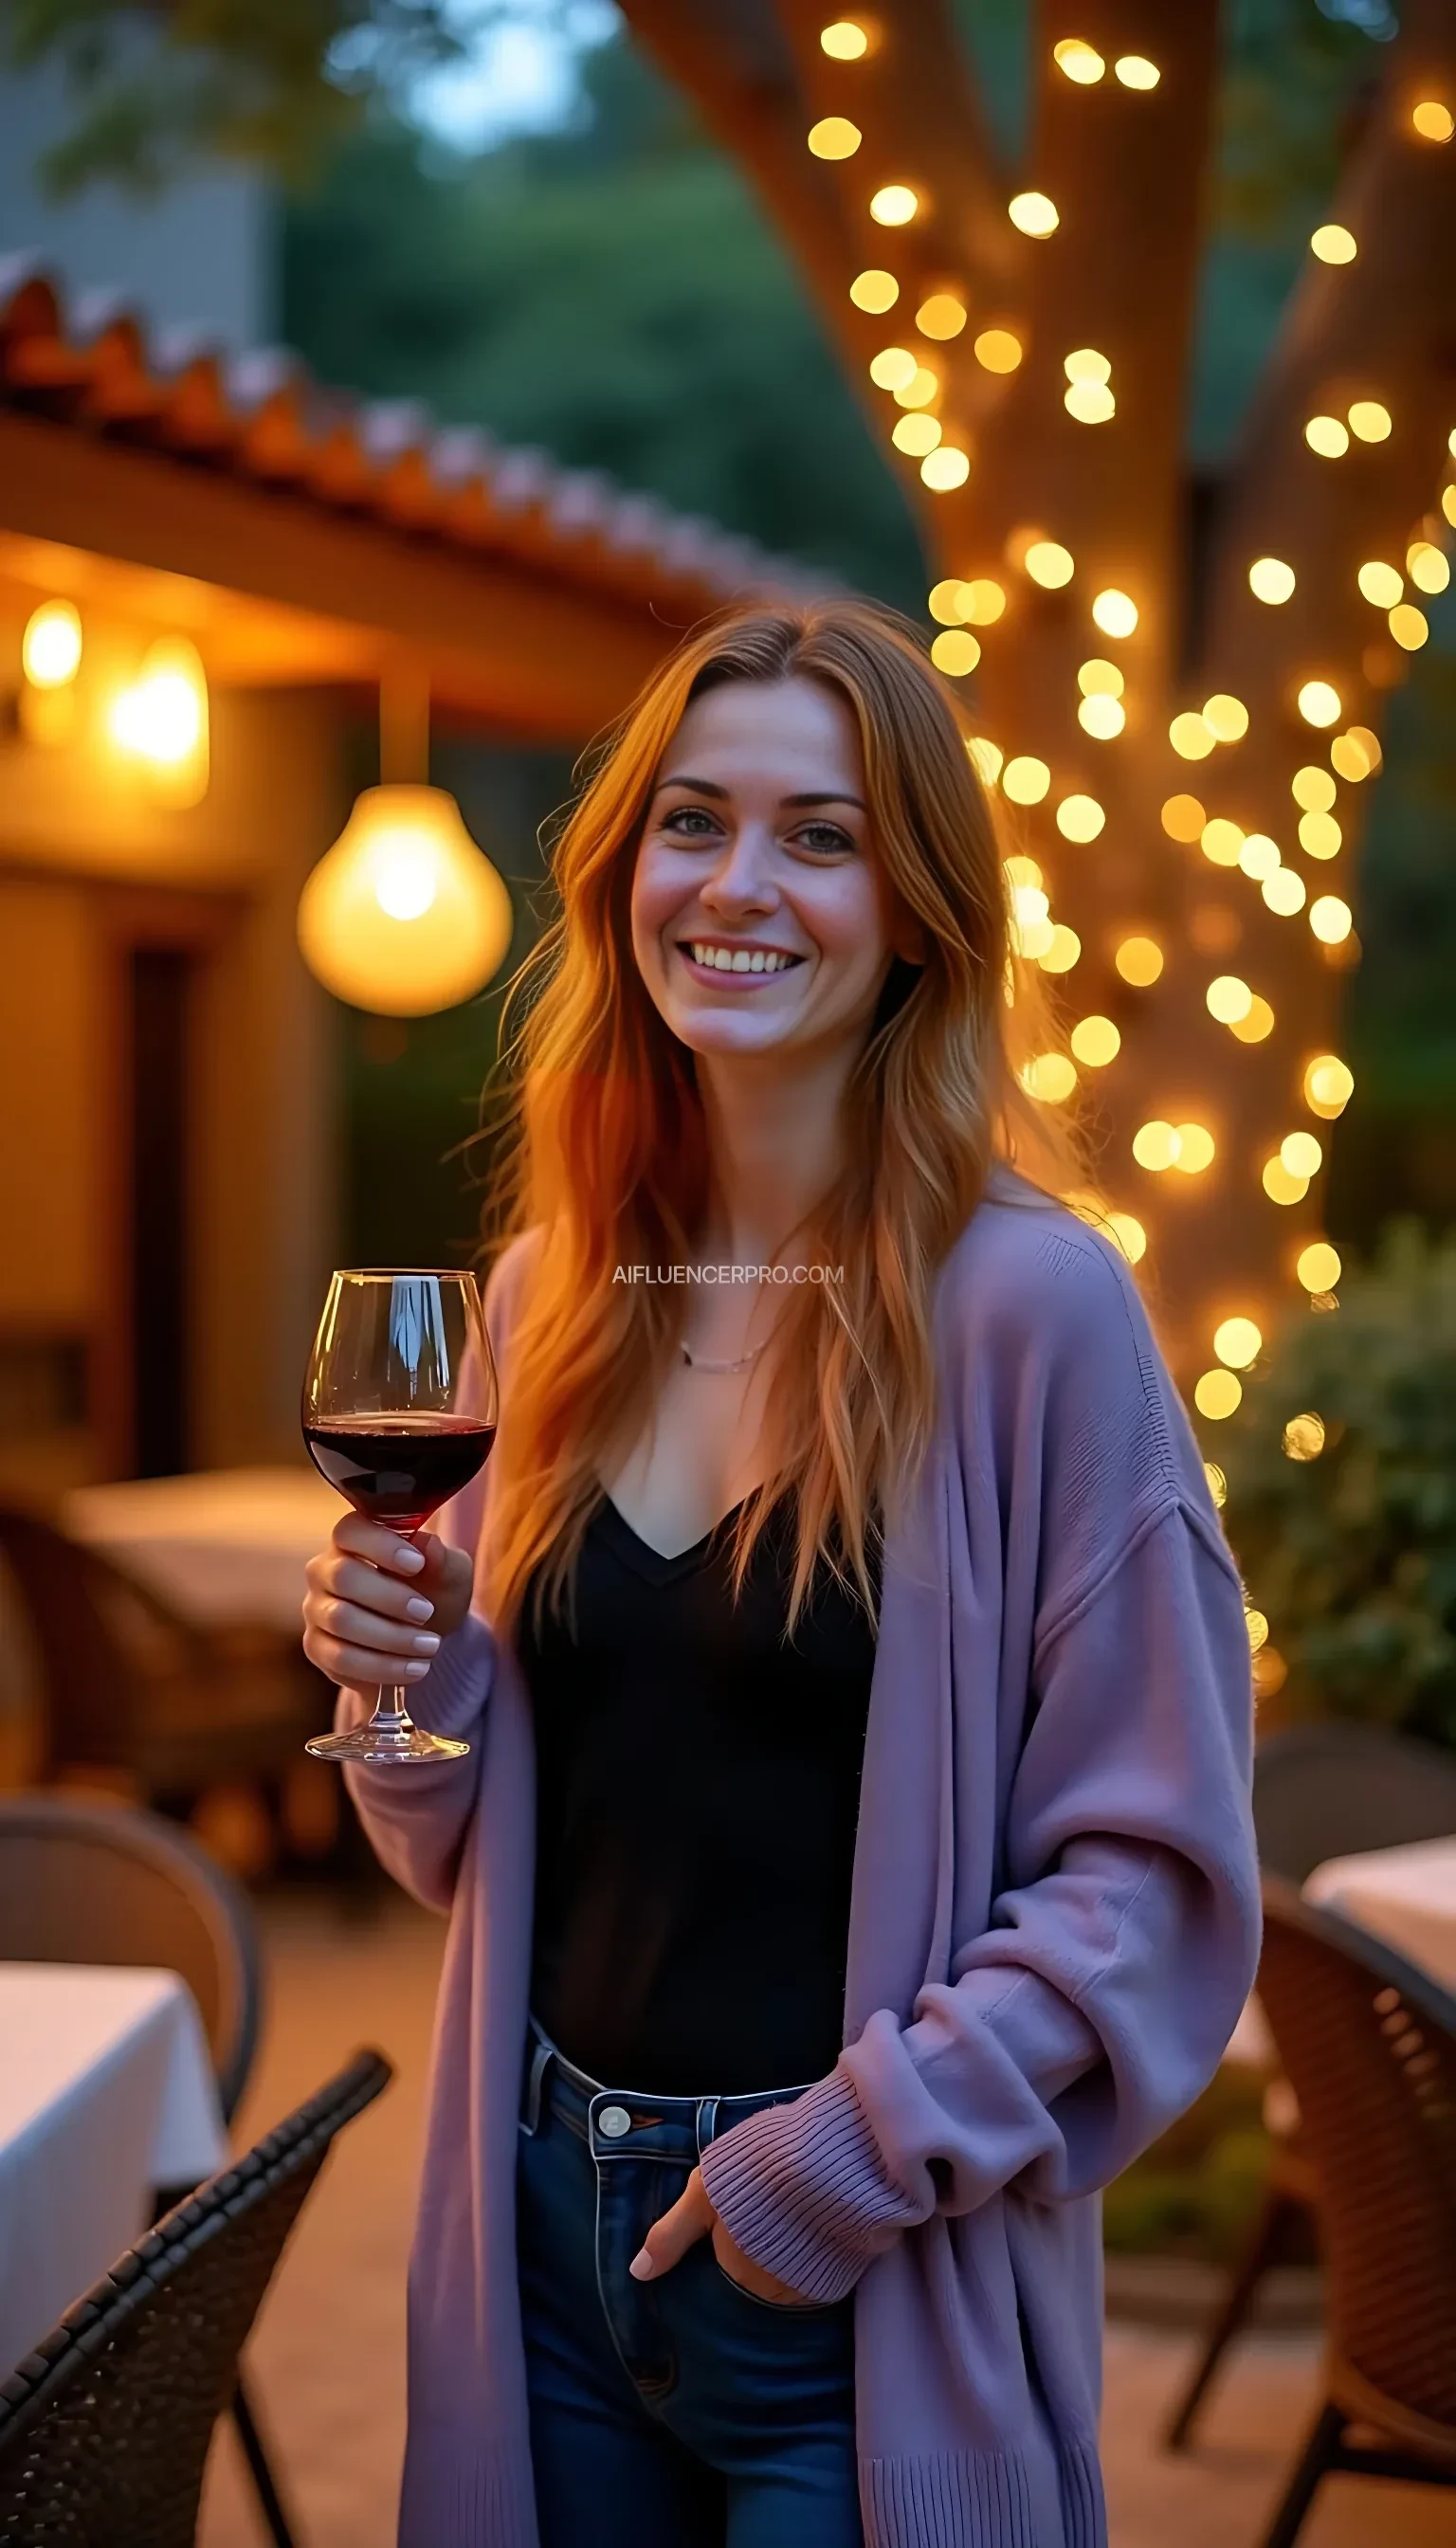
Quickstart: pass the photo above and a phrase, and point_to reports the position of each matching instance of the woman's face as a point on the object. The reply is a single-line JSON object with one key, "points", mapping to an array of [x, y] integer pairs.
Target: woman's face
{"points": [[760, 920]]}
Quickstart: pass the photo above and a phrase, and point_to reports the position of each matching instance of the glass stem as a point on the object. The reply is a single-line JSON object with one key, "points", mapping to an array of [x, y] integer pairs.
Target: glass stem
{"points": [[391, 1715]]}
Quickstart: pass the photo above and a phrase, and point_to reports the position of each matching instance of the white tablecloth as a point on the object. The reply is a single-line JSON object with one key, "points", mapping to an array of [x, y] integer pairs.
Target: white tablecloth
{"points": [[225, 1548], [106, 2093], [1407, 1896]]}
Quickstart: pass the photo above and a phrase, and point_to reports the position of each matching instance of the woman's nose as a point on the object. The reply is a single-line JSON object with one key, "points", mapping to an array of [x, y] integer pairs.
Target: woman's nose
{"points": [[744, 872]]}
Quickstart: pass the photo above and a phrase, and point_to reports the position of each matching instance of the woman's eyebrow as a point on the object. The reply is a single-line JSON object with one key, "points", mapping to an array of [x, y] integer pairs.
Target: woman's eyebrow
{"points": [[806, 796]]}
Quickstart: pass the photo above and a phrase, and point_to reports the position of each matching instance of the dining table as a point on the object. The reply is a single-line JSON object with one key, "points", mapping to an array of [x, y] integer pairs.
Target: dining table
{"points": [[107, 2099], [223, 1548], [1403, 1896]]}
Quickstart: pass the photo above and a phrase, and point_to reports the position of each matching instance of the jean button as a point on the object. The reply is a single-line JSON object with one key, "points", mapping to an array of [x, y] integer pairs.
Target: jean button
{"points": [[614, 2121]]}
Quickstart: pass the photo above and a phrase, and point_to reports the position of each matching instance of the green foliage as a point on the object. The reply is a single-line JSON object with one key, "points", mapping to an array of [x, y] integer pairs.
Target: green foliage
{"points": [[1195, 2193], [1351, 1554]]}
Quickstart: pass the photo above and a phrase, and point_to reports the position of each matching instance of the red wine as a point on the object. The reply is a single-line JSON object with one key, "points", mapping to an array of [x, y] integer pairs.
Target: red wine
{"points": [[399, 1469]]}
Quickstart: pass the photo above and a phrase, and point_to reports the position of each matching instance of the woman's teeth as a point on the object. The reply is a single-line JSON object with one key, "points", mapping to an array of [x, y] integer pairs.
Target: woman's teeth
{"points": [[726, 959]]}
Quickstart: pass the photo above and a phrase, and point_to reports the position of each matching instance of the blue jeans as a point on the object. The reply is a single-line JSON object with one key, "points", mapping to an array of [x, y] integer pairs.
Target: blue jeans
{"points": [[681, 2414]]}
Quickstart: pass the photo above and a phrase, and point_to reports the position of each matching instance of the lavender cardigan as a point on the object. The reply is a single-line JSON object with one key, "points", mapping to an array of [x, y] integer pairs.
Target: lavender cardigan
{"points": [[1055, 1923]]}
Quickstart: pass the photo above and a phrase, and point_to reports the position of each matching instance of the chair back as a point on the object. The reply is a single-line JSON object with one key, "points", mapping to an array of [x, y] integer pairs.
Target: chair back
{"points": [[1368, 2043], [1330, 1790], [104, 1884], [93, 1698], [104, 2429]]}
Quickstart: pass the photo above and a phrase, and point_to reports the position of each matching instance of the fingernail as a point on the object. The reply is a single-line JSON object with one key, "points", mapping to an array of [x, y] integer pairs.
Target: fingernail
{"points": [[425, 1645], [641, 2266], [409, 1560], [414, 1672], [419, 1608]]}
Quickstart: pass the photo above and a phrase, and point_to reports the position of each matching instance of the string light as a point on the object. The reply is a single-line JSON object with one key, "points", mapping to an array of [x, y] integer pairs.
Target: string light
{"points": [[1217, 1394], [1237, 1343], [1257, 1025], [1257, 1626], [1049, 1077], [1304, 1438], [1280, 1186], [1302, 1154], [50, 648], [833, 137], [986, 758], [945, 468], [1194, 1149], [1102, 717], [1155, 1146], [1115, 612], [1432, 121], [1228, 999], [1330, 918], [1448, 504], [1319, 702], [1025, 779], [1220, 840], [844, 42], [1284, 892], [1356, 755], [1313, 788], [997, 350], [1096, 676], [1318, 1266], [920, 388], [916, 435], [1049, 564], [941, 317], [1086, 364], [1429, 567], [1064, 952], [1079, 818], [1333, 244], [1183, 818], [1089, 402], [1329, 1084], [1135, 70], [1081, 62], [1379, 583], [1270, 580], [1095, 1042], [1326, 435], [1034, 214], [892, 367], [1191, 736], [1139, 960], [893, 206], [946, 600], [1227, 716], [956, 652], [1369, 420], [1022, 870], [875, 290], [1408, 626], [1259, 857], [982, 601], [1320, 835], [1128, 1231]]}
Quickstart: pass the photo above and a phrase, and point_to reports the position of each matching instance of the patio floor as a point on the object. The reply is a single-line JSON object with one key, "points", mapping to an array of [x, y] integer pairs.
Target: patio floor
{"points": [[327, 2355]]}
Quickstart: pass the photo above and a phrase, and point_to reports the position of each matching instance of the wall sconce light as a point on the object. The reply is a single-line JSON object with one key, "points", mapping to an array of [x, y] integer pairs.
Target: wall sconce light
{"points": [[161, 719], [50, 658]]}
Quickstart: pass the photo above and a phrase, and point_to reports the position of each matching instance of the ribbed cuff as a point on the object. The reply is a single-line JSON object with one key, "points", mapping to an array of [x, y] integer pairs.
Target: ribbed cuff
{"points": [[803, 2189], [450, 1695]]}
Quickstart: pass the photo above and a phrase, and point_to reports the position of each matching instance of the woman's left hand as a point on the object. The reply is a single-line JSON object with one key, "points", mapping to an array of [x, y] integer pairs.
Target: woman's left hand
{"points": [[692, 2218]]}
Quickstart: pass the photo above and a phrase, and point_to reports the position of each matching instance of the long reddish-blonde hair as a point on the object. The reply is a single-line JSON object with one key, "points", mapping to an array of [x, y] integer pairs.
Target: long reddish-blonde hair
{"points": [[606, 1157]]}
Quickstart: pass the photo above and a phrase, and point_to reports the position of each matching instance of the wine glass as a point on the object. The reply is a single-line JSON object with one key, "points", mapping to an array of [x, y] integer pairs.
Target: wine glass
{"points": [[401, 1401]]}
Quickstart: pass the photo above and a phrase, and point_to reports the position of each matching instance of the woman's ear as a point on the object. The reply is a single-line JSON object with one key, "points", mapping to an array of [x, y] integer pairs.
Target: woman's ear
{"points": [[907, 938]]}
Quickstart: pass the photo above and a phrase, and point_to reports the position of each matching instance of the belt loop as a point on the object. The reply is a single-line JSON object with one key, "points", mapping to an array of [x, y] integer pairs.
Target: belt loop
{"points": [[707, 2121], [542, 2056]]}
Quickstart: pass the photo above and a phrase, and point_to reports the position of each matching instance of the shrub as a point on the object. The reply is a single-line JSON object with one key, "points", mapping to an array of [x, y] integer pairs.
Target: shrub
{"points": [[1341, 1496]]}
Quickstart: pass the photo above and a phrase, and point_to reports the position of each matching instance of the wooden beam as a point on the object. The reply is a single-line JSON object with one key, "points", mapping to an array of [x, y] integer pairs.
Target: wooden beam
{"points": [[509, 642]]}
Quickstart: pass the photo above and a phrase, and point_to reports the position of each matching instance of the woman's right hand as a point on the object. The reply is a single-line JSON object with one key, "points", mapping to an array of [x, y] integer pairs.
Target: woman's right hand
{"points": [[378, 1606]]}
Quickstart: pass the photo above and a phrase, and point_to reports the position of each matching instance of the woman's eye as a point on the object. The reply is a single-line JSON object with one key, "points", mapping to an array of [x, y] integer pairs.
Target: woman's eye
{"points": [[823, 837], [693, 820]]}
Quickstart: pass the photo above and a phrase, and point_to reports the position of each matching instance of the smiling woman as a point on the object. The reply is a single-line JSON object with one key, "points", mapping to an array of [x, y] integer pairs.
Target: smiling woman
{"points": [[866, 1759]]}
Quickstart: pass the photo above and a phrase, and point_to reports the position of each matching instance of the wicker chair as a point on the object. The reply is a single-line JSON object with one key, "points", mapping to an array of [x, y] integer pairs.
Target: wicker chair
{"points": [[105, 2428], [1320, 1791], [130, 1689], [1369, 2045], [104, 1885]]}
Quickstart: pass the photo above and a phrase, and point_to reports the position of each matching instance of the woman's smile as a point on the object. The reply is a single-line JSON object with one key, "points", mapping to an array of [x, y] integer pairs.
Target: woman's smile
{"points": [[734, 964]]}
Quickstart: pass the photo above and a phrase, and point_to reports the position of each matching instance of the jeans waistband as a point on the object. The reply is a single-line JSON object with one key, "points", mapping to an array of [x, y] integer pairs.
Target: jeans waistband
{"points": [[627, 2122]]}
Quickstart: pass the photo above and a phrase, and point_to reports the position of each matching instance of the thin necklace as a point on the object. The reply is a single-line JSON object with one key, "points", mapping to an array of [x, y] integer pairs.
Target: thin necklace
{"points": [[694, 1363]]}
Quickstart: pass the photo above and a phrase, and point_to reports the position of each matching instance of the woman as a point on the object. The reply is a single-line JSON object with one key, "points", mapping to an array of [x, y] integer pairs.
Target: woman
{"points": [[852, 1869]]}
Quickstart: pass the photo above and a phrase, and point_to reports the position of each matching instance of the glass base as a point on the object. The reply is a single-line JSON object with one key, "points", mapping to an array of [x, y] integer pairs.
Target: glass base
{"points": [[381, 1746]]}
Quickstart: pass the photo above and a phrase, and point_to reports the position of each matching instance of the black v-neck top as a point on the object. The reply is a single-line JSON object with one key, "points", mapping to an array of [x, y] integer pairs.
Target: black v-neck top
{"points": [[697, 1796]]}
